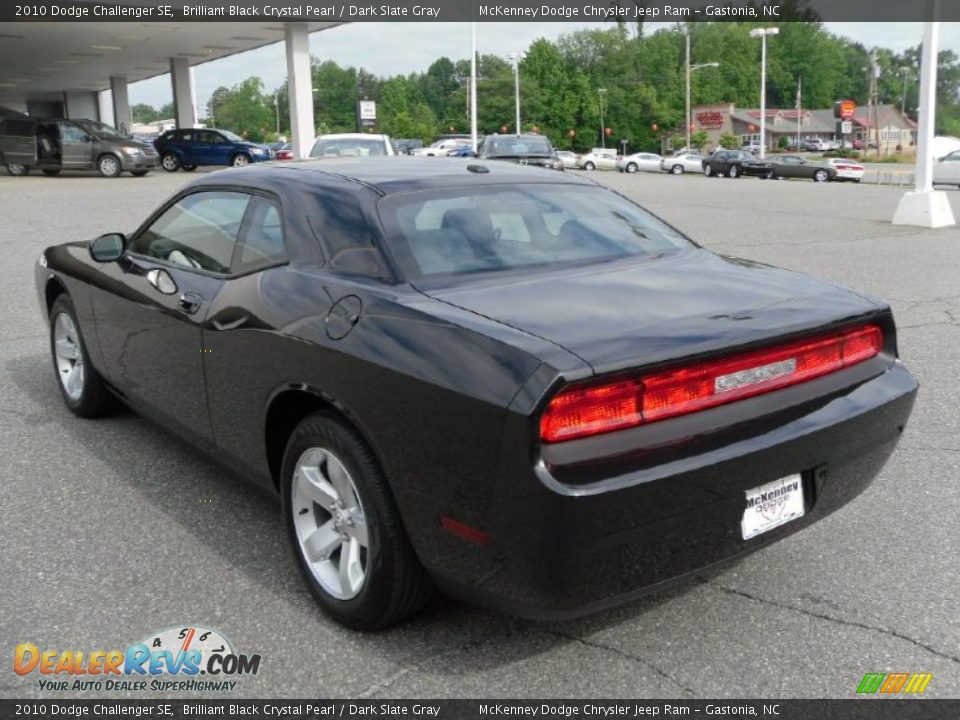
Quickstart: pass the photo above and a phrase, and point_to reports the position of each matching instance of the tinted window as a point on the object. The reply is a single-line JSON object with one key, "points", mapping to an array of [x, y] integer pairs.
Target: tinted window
{"points": [[494, 147], [262, 242], [345, 235], [211, 137], [199, 231], [498, 228]]}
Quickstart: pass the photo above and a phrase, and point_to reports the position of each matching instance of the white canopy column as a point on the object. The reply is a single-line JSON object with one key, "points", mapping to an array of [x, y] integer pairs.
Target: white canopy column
{"points": [[182, 82], [121, 103], [299, 87]]}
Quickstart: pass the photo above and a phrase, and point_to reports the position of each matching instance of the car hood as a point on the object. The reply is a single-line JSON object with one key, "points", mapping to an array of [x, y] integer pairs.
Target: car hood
{"points": [[641, 312]]}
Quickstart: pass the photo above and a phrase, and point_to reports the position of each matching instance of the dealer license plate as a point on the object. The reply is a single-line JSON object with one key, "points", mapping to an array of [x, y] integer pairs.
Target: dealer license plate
{"points": [[772, 505]]}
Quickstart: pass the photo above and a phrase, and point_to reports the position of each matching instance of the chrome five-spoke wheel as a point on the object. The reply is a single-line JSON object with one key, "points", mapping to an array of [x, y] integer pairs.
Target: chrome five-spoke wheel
{"points": [[69, 356], [330, 523]]}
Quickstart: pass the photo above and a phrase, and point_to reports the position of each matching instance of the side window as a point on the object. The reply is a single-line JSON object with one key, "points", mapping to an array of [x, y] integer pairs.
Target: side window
{"points": [[346, 237], [212, 138], [71, 133], [261, 244], [199, 231]]}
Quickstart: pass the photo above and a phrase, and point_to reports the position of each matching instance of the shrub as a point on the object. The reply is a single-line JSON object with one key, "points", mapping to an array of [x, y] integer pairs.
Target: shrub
{"points": [[729, 142]]}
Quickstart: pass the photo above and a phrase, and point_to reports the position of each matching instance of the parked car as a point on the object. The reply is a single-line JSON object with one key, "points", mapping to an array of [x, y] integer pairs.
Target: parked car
{"points": [[526, 149], [189, 148], [55, 145], [442, 148], [846, 169], [648, 162], [462, 151], [352, 145], [946, 170], [859, 144], [683, 163], [814, 144], [283, 152], [519, 387], [599, 159], [794, 166], [733, 164], [568, 158]]}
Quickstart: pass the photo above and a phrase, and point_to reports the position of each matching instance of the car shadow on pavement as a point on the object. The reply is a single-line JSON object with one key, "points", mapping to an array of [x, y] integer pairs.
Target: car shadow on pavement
{"points": [[163, 475]]}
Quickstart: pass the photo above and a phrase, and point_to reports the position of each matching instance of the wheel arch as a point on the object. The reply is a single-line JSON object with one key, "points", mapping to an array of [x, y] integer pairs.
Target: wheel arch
{"points": [[53, 289], [288, 406]]}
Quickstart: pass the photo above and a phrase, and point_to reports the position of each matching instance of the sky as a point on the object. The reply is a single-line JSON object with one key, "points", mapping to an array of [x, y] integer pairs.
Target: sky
{"points": [[388, 49]]}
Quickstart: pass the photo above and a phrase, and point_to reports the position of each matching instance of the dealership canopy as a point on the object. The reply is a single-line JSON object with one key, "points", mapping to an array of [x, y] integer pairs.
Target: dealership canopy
{"points": [[60, 69]]}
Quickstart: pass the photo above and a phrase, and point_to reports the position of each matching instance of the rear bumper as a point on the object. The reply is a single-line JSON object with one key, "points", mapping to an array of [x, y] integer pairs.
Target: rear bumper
{"points": [[558, 550]]}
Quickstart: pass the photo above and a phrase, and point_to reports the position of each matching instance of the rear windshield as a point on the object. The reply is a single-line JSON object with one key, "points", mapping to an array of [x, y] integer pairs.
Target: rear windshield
{"points": [[471, 230], [348, 147], [498, 147]]}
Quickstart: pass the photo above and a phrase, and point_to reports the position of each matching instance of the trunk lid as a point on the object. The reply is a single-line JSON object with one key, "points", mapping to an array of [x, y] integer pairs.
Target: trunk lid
{"points": [[631, 313]]}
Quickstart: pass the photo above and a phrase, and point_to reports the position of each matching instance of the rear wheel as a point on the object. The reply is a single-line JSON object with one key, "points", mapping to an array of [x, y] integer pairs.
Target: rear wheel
{"points": [[51, 171], [589, 166], [734, 172], [18, 170], [707, 170], [821, 176], [677, 169], [240, 159], [346, 532], [631, 167], [170, 162], [109, 166], [81, 386]]}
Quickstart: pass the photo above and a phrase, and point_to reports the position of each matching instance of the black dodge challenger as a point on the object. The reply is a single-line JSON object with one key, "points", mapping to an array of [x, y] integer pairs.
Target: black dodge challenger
{"points": [[510, 384]]}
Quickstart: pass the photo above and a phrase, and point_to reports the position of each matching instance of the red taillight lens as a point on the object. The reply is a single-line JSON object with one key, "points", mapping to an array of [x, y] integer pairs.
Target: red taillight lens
{"points": [[594, 409]]}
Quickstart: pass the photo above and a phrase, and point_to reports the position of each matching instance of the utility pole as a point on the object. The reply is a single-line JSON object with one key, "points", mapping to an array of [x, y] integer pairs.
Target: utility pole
{"points": [[762, 34], [872, 110], [689, 72], [473, 85], [516, 87], [603, 130], [904, 72]]}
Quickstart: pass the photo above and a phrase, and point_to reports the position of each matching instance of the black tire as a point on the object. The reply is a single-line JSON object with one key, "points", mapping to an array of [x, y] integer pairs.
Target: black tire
{"points": [[109, 166], [170, 162], [677, 169], [734, 172], [18, 170], [770, 175], [139, 173], [632, 167], [50, 172], [708, 170], [821, 176], [189, 168], [396, 585], [589, 166], [240, 160], [95, 400]]}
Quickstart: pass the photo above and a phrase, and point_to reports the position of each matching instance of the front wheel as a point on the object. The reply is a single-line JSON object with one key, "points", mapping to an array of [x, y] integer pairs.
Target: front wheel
{"points": [[734, 172], [677, 170], [83, 390], [632, 168], [707, 170], [346, 532], [170, 162], [821, 176], [18, 170], [240, 160], [108, 166], [589, 166]]}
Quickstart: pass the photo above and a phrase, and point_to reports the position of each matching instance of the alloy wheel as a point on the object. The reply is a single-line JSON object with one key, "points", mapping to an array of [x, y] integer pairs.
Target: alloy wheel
{"points": [[170, 163], [240, 160], [330, 523], [69, 356], [109, 167]]}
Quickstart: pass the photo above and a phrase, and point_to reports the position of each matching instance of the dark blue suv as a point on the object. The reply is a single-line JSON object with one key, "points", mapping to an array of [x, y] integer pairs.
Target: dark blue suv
{"points": [[188, 148]]}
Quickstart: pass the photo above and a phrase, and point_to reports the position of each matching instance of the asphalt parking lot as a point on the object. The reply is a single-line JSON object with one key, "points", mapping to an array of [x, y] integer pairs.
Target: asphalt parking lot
{"points": [[113, 529]]}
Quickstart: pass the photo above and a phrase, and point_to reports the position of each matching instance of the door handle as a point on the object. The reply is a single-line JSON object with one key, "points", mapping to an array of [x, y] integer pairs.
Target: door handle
{"points": [[189, 303]]}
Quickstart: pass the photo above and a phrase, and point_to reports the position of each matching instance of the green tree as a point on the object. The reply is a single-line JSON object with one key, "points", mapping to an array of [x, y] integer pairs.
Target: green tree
{"points": [[143, 113]]}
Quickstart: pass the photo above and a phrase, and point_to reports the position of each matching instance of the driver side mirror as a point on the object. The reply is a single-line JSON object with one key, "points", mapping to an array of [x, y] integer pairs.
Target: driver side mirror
{"points": [[108, 248]]}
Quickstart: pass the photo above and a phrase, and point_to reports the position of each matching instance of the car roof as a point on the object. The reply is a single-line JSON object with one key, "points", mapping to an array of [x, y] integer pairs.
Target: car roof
{"points": [[351, 136], [388, 175]]}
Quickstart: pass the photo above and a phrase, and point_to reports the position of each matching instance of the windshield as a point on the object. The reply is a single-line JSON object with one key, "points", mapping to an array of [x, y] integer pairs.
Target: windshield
{"points": [[348, 147], [232, 137], [503, 146], [101, 130], [471, 230]]}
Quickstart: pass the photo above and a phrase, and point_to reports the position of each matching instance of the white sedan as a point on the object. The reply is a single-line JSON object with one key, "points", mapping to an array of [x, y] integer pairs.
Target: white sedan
{"points": [[846, 169], [569, 159], [648, 162], [946, 170], [684, 162]]}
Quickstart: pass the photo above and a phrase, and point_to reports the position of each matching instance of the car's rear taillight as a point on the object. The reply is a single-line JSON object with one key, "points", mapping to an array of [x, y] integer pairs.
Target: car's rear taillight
{"points": [[581, 411]]}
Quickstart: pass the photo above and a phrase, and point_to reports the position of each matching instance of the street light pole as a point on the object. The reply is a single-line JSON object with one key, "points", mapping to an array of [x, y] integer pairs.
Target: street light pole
{"points": [[690, 68], [276, 110], [762, 34], [516, 86], [603, 130], [904, 71], [473, 85]]}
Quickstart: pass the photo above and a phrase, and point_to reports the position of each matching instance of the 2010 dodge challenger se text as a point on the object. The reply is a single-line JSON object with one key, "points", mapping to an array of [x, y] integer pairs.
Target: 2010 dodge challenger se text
{"points": [[509, 384]]}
